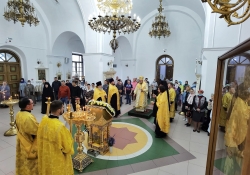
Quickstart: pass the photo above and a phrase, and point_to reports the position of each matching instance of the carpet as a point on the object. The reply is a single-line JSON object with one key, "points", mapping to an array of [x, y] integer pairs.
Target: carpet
{"points": [[147, 114]]}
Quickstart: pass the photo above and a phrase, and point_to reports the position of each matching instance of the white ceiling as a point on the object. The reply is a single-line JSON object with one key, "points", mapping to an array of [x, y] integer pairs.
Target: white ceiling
{"points": [[143, 7]]}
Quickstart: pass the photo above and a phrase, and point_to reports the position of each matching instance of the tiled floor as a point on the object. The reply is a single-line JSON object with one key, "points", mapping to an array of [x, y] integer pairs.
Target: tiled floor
{"points": [[181, 138]]}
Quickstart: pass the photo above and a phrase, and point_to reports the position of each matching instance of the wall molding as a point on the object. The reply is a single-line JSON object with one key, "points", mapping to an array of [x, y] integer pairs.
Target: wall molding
{"points": [[103, 54], [215, 49]]}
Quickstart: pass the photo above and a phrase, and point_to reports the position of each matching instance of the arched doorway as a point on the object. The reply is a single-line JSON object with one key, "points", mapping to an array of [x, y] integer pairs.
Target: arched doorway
{"points": [[237, 68], [164, 67], [10, 70]]}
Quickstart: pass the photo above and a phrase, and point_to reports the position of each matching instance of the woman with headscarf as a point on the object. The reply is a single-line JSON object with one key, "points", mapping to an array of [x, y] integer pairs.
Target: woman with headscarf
{"points": [[22, 85], [199, 108], [189, 106], [47, 92]]}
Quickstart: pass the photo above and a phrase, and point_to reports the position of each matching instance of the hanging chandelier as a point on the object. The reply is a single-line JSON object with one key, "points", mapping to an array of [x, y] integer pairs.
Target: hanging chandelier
{"points": [[160, 26], [112, 19], [22, 11], [229, 11]]}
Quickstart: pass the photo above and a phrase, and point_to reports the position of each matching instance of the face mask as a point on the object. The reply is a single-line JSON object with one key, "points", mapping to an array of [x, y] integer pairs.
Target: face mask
{"points": [[200, 95], [28, 83]]}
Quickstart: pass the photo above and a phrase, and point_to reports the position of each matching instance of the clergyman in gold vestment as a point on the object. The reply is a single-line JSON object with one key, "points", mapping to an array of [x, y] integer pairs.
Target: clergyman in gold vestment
{"points": [[55, 144], [141, 91], [172, 95], [99, 93], [27, 127], [236, 133]]}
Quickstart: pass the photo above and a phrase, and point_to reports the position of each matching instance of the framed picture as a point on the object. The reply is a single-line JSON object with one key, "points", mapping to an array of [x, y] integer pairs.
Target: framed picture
{"points": [[59, 77], [41, 74]]}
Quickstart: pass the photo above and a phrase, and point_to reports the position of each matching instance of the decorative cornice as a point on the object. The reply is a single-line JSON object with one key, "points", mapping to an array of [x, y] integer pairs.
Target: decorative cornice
{"points": [[103, 54], [216, 49]]}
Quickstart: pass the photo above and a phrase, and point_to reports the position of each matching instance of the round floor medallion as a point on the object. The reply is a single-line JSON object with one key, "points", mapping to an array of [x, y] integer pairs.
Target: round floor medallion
{"points": [[130, 141]]}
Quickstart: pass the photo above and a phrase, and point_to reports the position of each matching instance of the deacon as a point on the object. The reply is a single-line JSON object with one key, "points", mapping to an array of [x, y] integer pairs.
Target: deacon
{"points": [[141, 92], [99, 93], [27, 126], [55, 144], [172, 95], [113, 97]]}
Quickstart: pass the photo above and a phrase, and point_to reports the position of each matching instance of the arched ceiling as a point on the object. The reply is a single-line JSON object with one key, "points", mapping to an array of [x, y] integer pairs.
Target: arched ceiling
{"points": [[143, 7]]}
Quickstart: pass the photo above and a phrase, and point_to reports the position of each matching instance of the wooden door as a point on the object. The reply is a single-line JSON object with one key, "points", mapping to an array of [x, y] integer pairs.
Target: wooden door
{"points": [[169, 72], [10, 70]]}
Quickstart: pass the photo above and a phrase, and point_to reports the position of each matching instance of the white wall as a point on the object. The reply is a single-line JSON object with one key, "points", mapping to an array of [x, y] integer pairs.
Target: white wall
{"points": [[183, 45]]}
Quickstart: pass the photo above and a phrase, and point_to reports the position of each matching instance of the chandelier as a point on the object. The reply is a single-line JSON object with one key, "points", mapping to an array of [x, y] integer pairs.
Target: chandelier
{"points": [[113, 19], [160, 26], [20, 10], [229, 11]]}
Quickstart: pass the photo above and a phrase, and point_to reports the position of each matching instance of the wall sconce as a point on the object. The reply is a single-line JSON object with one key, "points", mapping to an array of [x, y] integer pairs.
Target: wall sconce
{"points": [[38, 61], [198, 62], [126, 65]]}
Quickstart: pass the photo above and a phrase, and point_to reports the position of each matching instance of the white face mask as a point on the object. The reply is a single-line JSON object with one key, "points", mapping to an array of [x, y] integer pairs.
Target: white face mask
{"points": [[28, 83]]}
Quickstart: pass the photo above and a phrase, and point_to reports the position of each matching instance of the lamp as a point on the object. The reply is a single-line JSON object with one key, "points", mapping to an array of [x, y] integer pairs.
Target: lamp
{"points": [[112, 18], [160, 26], [22, 11], [229, 11]]}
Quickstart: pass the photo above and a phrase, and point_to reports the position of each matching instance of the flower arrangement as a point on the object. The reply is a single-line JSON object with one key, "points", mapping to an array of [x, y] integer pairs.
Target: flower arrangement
{"points": [[111, 141], [108, 108]]}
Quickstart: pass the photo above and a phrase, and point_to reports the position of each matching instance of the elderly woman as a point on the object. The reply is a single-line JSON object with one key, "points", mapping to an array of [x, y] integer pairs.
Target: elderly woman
{"points": [[199, 107], [4, 92]]}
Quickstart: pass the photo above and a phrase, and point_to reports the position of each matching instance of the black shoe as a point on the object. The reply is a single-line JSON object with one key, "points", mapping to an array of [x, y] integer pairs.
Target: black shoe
{"points": [[188, 125], [208, 134], [194, 130], [198, 131]]}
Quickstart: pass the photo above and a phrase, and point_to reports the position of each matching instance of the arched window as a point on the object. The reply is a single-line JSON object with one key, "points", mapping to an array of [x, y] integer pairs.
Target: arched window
{"points": [[236, 68], [6, 56], [164, 67]]}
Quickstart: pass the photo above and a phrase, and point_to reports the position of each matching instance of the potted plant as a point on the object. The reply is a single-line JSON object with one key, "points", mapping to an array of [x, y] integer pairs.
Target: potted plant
{"points": [[111, 142]]}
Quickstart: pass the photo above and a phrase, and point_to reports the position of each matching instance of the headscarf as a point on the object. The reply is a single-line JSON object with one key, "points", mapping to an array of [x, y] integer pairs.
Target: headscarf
{"points": [[23, 80]]}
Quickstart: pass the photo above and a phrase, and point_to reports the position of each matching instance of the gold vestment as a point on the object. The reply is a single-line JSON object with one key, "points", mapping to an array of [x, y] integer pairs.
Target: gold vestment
{"points": [[55, 147], [99, 94], [27, 126], [163, 112], [141, 91], [226, 101], [172, 95], [113, 90]]}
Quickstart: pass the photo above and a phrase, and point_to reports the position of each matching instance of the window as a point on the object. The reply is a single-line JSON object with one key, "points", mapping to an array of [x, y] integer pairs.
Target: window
{"points": [[7, 57], [77, 65]]}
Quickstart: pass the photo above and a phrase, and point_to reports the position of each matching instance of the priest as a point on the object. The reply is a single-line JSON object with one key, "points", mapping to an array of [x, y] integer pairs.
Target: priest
{"points": [[141, 91], [113, 97], [99, 93], [55, 144], [172, 95]]}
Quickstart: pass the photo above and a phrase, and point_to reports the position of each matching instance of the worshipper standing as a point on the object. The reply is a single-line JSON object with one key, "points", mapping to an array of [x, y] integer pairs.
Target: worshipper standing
{"points": [[99, 93], [184, 101], [119, 86], [226, 101], [55, 144], [4, 93], [41, 90], [27, 126], [22, 85], [162, 121], [64, 93], [68, 84], [29, 91], [126, 82], [83, 81], [134, 83], [148, 93], [93, 86], [154, 86], [199, 108], [140, 92], [55, 86], [105, 86], [47, 93], [172, 96], [177, 92], [75, 93], [89, 94], [189, 107], [128, 92], [194, 86], [113, 97], [209, 113], [185, 85]]}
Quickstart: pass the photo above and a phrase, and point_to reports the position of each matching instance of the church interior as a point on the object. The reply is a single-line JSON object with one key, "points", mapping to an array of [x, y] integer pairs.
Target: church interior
{"points": [[198, 49]]}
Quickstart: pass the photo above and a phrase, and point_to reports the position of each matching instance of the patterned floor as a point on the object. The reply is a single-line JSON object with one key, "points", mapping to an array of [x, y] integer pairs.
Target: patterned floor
{"points": [[181, 153]]}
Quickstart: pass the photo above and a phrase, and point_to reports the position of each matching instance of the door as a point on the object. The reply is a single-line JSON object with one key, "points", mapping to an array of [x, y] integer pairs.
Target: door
{"points": [[164, 68], [10, 70]]}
